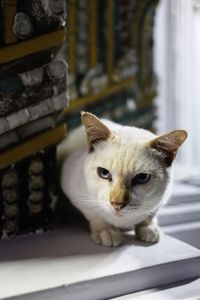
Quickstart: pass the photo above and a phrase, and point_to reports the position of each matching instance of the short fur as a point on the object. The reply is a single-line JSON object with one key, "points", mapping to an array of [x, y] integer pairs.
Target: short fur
{"points": [[116, 203]]}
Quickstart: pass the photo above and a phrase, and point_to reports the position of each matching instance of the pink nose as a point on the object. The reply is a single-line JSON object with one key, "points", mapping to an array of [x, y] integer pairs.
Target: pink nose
{"points": [[118, 206]]}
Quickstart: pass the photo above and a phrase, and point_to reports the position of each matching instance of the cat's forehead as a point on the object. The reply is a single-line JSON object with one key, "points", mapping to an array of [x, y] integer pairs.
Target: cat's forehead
{"points": [[132, 134], [125, 157]]}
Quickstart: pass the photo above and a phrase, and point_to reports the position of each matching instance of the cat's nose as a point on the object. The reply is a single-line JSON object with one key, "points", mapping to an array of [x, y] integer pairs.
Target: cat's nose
{"points": [[117, 205]]}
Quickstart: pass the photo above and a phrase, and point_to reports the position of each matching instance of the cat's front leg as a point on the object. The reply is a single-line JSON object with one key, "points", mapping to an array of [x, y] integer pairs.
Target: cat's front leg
{"points": [[105, 234], [147, 231]]}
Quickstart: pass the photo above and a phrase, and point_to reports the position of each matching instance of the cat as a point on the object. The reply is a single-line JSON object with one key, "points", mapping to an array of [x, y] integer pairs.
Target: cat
{"points": [[118, 177]]}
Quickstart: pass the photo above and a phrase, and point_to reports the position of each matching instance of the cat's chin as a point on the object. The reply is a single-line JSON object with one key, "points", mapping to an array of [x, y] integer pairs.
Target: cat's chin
{"points": [[124, 213], [118, 213]]}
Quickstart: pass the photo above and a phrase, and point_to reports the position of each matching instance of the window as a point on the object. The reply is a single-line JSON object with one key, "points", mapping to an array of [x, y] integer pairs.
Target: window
{"points": [[177, 62]]}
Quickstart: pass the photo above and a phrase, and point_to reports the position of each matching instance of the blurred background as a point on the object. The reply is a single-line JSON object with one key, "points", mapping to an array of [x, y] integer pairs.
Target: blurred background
{"points": [[136, 62], [177, 64]]}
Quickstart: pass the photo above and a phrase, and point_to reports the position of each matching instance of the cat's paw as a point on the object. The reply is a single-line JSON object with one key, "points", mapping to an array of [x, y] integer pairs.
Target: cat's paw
{"points": [[148, 234], [109, 237]]}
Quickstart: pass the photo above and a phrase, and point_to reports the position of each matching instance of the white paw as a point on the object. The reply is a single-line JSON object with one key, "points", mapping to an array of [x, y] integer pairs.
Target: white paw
{"points": [[109, 237], [148, 234]]}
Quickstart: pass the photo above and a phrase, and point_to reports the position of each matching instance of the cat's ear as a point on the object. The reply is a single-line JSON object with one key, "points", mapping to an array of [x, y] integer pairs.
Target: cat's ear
{"points": [[168, 144], [95, 129]]}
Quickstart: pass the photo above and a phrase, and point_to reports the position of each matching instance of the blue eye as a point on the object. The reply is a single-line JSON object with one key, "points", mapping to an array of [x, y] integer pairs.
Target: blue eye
{"points": [[103, 173], [141, 178]]}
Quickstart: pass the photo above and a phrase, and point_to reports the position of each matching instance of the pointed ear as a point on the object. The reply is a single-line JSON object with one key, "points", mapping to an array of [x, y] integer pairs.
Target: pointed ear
{"points": [[95, 129], [168, 144]]}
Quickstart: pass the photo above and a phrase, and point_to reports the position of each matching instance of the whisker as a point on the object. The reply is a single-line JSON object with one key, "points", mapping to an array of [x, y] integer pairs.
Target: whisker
{"points": [[88, 200]]}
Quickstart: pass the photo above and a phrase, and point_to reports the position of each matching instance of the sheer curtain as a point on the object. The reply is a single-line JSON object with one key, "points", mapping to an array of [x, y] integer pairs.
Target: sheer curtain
{"points": [[177, 63]]}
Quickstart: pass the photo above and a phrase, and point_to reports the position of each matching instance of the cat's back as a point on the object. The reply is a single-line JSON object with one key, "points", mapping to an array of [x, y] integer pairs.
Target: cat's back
{"points": [[75, 140]]}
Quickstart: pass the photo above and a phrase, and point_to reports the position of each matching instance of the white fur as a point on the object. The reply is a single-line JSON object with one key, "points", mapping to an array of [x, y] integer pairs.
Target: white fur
{"points": [[124, 156]]}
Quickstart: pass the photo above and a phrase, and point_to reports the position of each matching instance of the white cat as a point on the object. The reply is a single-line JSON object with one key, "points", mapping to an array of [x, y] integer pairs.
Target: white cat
{"points": [[117, 176]]}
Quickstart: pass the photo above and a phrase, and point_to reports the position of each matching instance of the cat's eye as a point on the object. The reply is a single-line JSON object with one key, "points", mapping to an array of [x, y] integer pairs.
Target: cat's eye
{"points": [[103, 173], [141, 178]]}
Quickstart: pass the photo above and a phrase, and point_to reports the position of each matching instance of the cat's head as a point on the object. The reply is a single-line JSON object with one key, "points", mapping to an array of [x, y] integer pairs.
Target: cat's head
{"points": [[127, 169]]}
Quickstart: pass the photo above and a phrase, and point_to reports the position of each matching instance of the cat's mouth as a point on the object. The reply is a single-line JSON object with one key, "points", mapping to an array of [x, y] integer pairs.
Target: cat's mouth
{"points": [[118, 213]]}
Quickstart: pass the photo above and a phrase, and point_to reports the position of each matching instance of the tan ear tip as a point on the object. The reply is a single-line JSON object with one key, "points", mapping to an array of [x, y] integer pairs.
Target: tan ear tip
{"points": [[87, 117], [183, 134], [82, 113], [87, 114]]}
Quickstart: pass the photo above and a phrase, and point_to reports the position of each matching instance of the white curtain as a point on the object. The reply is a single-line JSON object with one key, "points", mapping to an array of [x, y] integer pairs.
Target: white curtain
{"points": [[177, 64]]}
